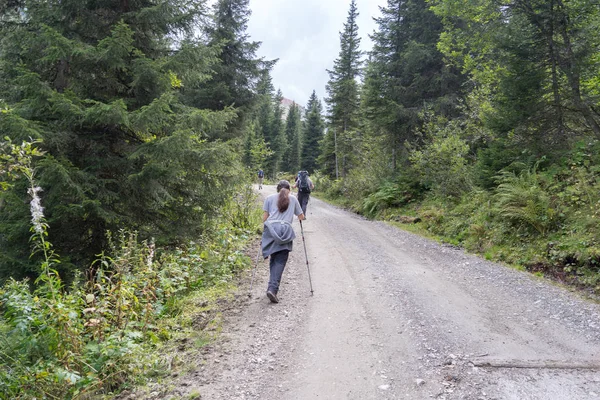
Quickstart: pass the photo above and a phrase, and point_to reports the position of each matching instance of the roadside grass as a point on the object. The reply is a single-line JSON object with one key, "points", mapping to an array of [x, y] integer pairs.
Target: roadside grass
{"points": [[143, 314], [519, 256], [197, 324]]}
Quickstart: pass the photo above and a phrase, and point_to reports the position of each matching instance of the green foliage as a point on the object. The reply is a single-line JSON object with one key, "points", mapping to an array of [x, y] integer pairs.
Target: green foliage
{"points": [[241, 212], [525, 201], [443, 161], [278, 139], [327, 160], [16, 160], [96, 336], [466, 97], [113, 100], [343, 98], [332, 189], [531, 56], [293, 132], [256, 151], [469, 222], [237, 71], [389, 195], [500, 155], [108, 107], [543, 220], [406, 74], [312, 133]]}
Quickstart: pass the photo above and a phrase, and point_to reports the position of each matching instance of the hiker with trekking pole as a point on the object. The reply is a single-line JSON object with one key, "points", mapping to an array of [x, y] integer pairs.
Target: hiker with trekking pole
{"points": [[278, 234], [305, 186]]}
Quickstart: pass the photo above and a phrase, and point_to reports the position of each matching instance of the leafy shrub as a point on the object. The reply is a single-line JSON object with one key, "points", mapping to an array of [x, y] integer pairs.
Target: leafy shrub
{"points": [[391, 194], [94, 337], [525, 202], [241, 211], [442, 162], [331, 188], [499, 156], [470, 221], [433, 216]]}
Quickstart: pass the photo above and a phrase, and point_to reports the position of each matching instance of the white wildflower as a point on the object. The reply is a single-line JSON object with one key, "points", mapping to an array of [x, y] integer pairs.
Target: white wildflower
{"points": [[37, 211], [150, 258]]}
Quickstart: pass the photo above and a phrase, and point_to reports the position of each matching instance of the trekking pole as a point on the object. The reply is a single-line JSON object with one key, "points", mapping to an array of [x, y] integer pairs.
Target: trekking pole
{"points": [[255, 268], [306, 255]]}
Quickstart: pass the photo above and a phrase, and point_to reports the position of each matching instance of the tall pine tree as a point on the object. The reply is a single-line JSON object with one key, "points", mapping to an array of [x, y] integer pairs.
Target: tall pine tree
{"points": [[265, 112], [293, 132], [312, 133], [279, 143], [406, 73], [343, 94], [104, 88], [236, 75]]}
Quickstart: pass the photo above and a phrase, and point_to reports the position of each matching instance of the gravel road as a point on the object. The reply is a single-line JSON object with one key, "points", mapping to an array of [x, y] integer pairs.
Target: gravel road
{"points": [[397, 316]]}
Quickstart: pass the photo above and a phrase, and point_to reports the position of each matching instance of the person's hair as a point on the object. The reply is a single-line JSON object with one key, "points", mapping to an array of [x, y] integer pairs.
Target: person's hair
{"points": [[283, 201]]}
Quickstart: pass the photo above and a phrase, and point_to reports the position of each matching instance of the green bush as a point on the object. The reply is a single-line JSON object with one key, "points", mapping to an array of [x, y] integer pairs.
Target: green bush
{"points": [[96, 336], [241, 211], [391, 195], [443, 161], [524, 200]]}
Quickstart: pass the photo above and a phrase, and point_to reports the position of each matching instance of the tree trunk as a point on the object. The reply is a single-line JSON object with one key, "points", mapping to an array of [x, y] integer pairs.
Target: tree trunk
{"points": [[554, 60], [61, 82], [572, 72]]}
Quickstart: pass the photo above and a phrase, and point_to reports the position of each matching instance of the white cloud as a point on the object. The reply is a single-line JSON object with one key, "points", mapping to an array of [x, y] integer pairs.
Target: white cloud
{"points": [[304, 36]]}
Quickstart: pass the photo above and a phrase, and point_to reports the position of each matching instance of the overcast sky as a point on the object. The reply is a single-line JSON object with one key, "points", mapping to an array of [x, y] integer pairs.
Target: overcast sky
{"points": [[304, 36]]}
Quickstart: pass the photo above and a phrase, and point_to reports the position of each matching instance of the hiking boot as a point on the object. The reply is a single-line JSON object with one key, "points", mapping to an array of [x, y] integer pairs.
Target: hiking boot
{"points": [[272, 296]]}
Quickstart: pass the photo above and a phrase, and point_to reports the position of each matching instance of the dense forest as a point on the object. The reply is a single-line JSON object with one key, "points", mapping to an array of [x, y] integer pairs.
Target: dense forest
{"points": [[129, 130]]}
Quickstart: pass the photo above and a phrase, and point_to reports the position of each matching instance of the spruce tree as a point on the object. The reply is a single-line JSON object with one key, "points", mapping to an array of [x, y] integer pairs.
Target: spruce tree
{"points": [[235, 77], [265, 112], [327, 160], [406, 73], [256, 150], [293, 132], [533, 64], [343, 92], [279, 143], [105, 89], [312, 133]]}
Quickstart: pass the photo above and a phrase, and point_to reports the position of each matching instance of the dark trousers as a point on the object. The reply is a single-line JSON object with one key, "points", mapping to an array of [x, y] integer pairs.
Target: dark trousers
{"points": [[303, 200], [277, 265]]}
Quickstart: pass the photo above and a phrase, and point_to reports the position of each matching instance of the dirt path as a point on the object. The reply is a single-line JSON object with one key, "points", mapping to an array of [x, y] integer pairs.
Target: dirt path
{"points": [[396, 316]]}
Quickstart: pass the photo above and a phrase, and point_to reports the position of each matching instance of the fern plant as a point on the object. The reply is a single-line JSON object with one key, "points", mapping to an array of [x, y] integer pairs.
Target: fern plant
{"points": [[525, 201]]}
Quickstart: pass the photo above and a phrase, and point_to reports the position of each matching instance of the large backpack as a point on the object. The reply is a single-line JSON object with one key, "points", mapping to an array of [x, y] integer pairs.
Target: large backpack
{"points": [[303, 184], [261, 173]]}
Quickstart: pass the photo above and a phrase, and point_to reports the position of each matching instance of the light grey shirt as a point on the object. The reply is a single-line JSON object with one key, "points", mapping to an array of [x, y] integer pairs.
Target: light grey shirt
{"points": [[270, 206], [278, 233]]}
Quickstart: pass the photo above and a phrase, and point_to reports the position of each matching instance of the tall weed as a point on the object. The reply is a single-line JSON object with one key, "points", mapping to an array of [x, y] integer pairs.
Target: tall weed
{"points": [[241, 211]]}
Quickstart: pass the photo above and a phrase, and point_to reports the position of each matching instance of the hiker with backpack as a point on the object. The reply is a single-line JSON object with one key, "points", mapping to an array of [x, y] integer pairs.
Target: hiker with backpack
{"points": [[305, 186], [278, 234], [261, 175]]}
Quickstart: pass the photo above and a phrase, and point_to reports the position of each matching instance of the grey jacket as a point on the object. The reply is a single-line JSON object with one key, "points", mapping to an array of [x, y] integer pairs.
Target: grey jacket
{"points": [[277, 235]]}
